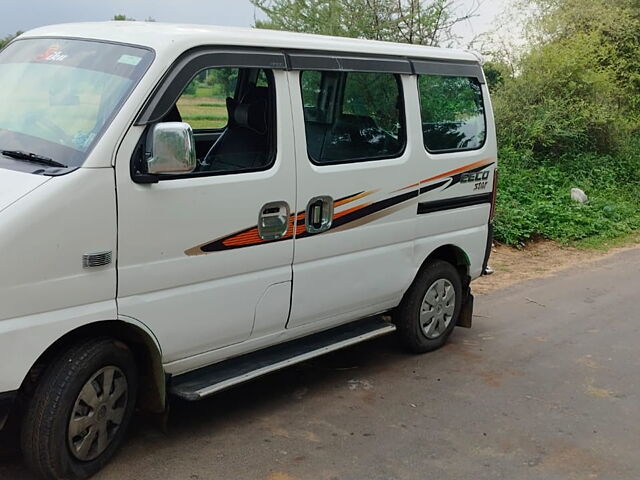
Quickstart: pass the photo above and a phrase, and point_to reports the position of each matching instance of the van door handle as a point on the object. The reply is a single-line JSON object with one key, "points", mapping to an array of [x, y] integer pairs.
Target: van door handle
{"points": [[273, 220], [319, 214]]}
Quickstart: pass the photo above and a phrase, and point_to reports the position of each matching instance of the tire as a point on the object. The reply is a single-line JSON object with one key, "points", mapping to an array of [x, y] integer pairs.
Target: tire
{"points": [[50, 450], [414, 322]]}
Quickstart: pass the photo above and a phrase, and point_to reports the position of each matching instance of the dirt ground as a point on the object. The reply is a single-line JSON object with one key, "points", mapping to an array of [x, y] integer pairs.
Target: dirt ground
{"points": [[537, 259]]}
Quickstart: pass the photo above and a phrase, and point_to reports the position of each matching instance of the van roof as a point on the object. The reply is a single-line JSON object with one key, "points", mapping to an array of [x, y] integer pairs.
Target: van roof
{"points": [[173, 39]]}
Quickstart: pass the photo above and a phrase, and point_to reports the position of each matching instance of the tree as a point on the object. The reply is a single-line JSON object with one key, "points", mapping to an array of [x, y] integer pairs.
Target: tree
{"points": [[121, 17], [424, 22], [576, 89], [5, 41]]}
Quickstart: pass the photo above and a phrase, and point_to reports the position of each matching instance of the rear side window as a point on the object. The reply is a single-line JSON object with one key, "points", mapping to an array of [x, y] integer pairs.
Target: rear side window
{"points": [[453, 116], [352, 117]]}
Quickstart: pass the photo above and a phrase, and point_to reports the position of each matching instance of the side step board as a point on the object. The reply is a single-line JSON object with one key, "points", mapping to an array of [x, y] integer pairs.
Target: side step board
{"points": [[205, 381]]}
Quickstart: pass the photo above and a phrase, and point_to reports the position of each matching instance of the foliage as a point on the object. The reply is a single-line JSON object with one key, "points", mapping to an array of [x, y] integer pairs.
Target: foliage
{"points": [[568, 115], [448, 99], [534, 198], [561, 101], [406, 21], [121, 17], [222, 81], [5, 41]]}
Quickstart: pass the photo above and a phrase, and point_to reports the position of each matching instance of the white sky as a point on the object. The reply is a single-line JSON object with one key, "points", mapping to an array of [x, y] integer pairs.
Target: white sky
{"points": [[484, 21], [26, 14]]}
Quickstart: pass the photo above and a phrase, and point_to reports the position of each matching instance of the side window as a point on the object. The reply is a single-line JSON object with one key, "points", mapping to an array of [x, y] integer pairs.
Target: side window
{"points": [[233, 114], [453, 117], [352, 117], [203, 102]]}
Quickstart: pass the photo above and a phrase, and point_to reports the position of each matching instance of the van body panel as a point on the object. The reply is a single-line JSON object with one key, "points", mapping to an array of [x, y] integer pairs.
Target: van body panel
{"points": [[196, 300], [44, 237], [15, 185], [454, 205], [44, 290], [24, 339]]}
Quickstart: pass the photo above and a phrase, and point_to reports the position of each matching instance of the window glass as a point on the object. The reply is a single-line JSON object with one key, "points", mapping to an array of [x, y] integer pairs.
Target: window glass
{"points": [[240, 105], [453, 115], [262, 80], [311, 89], [352, 116], [58, 96], [203, 102]]}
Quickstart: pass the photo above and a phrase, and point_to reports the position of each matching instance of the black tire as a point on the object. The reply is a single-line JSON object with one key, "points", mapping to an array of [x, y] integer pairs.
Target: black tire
{"points": [[407, 315], [44, 438]]}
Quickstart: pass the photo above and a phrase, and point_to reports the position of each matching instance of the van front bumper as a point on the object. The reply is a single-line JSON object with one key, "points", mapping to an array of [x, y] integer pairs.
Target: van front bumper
{"points": [[6, 404]]}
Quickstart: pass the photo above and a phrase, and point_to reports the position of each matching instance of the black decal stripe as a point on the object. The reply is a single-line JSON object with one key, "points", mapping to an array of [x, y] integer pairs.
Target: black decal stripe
{"points": [[368, 210], [374, 208], [435, 186], [453, 203]]}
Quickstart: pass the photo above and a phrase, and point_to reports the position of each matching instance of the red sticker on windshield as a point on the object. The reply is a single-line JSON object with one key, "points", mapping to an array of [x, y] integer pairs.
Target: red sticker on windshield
{"points": [[52, 54]]}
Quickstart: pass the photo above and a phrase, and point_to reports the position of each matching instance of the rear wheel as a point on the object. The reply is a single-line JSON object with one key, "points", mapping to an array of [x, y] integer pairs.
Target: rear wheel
{"points": [[429, 311], [80, 410]]}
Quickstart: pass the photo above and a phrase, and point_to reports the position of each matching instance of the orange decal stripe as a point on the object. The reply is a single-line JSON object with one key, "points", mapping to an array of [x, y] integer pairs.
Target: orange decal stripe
{"points": [[471, 166], [339, 203], [248, 238], [486, 161]]}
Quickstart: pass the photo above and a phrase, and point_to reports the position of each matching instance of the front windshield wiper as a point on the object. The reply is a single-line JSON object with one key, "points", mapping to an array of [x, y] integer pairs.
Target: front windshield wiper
{"points": [[32, 157]]}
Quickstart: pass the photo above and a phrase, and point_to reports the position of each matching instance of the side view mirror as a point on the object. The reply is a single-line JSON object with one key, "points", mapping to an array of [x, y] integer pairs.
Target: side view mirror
{"points": [[173, 149]]}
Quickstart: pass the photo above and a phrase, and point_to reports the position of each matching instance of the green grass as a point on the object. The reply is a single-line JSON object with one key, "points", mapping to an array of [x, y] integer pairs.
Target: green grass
{"points": [[534, 199], [203, 111], [599, 243]]}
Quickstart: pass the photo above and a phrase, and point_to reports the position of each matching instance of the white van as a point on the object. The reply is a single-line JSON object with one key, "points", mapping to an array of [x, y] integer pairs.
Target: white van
{"points": [[184, 208]]}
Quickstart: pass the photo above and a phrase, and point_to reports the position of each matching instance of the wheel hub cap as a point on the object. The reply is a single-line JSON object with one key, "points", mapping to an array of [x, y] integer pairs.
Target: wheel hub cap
{"points": [[438, 306], [98, 413]]}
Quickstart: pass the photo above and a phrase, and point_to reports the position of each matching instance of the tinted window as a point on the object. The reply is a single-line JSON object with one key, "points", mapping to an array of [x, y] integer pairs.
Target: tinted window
{"points": [[352, 116], [452, 113], [203, 102]]}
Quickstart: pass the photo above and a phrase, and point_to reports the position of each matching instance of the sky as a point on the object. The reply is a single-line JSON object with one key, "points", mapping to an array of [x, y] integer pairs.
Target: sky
{"points": [[26, 14]]}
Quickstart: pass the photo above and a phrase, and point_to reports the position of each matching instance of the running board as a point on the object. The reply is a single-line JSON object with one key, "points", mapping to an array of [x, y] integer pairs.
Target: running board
{"points": [[205, 381]]}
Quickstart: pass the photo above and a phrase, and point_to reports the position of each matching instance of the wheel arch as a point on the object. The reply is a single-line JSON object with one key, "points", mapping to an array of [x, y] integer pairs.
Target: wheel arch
{"points": [[152, 398], [454, 255]]}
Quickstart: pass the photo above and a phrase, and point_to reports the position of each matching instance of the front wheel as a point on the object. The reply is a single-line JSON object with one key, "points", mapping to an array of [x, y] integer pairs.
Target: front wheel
{"points": [[80, 410], [430, 309]]}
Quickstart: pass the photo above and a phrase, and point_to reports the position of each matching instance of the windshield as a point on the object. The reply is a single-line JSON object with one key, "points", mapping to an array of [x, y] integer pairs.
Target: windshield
{"points": [[57, 96]]}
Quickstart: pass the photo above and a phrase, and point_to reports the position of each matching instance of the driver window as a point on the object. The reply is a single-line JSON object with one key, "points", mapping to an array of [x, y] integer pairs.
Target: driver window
{"points": [[203, 102], [232, 113]]}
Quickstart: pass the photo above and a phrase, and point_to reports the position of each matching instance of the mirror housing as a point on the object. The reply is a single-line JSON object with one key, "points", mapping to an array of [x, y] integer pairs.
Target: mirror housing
{"points": [[172, 149]]}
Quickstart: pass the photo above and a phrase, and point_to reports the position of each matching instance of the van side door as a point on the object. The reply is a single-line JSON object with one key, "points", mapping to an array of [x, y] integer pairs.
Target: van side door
{"points": [[355, 227], [199, 252]]}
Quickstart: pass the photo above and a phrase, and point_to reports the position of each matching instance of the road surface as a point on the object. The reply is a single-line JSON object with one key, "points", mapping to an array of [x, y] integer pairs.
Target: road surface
{"points": [[545, 386]]}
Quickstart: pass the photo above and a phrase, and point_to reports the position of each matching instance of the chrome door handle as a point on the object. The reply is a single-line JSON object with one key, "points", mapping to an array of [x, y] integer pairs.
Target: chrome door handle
{"points": [[273, 220], [319, 214]]}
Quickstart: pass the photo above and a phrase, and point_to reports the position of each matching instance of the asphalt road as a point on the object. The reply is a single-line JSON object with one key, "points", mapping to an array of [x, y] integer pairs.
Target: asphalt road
{"points": [[545, 386]]}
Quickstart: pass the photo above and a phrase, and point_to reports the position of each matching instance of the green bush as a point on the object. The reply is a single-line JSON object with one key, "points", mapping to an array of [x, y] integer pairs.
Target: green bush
{"points": [[534, 197], [561, 102]]}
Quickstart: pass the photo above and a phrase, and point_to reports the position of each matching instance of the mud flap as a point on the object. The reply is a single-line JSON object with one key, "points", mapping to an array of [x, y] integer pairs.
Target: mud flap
{"points": [[466, 312]]}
